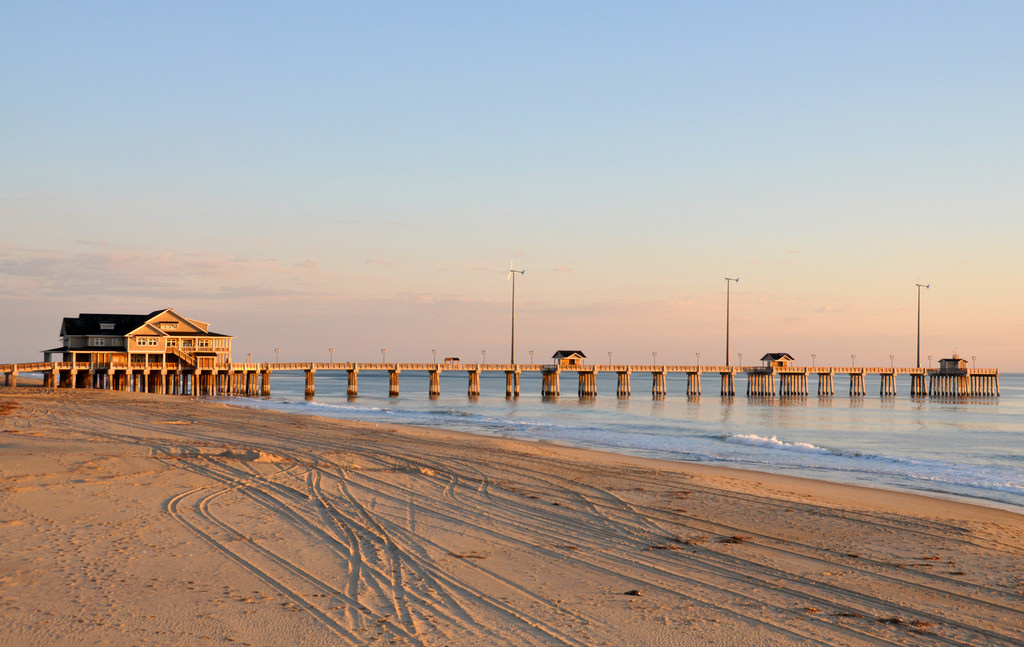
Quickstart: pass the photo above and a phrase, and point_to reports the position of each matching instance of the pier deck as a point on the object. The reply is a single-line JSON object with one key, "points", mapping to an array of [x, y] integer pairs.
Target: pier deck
{"points": [[254, 378]]}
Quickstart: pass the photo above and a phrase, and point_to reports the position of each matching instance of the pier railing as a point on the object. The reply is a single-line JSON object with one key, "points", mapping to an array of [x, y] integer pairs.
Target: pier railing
{"points": [[250, 378]]}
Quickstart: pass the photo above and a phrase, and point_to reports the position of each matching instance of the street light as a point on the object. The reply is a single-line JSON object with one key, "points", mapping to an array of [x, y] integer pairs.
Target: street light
{"points": [[278, 352], [974, 361], [892, 359], [383, 355], [929, 362], [814, 360], [332, 353], [655, 356], [853, 360], [919, 286], [741, 359], [484, 352], [698, 360], [531, 357], [512, 273], [728, 281], [434, 350], [609, 358]]}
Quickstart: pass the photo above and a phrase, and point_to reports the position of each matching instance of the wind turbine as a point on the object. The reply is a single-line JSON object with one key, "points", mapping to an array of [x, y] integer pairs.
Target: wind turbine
{"points": [[512, 275]]}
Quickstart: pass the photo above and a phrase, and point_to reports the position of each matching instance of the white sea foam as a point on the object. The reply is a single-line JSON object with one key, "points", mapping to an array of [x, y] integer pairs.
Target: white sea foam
{"points": [[775, 443]]}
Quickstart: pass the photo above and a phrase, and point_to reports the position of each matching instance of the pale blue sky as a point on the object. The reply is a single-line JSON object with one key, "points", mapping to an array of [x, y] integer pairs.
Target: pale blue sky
{"points": [[359, 175]]}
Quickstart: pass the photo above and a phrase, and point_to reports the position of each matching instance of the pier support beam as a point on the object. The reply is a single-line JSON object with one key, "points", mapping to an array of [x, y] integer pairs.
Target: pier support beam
{"points": [[310, 382], [393, 382], [761, 382], [659, 385], [435, 383], [512, 384], [693, 383], [888, 384], [857, 384], [588, 383], [550, 384], [474, 383], [623, 389], [826, 385], [265, 382], [728, 383]]}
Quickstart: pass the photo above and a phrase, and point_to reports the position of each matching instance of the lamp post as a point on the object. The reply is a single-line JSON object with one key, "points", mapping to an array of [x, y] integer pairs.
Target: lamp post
{"points": [[332, 353], [609, 358], [814, 360], [853, 360], [741, 359], [277, 352], [892, 360], [929, 362], [383, 355], [974, 361], [698, 360], [531, 357], [919, 286], [512, 273], [654, 356], [728, 282], [434, 350], [484, 353]]}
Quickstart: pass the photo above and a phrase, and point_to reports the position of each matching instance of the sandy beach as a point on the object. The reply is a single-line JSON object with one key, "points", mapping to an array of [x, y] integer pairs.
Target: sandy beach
{"points": [[133, 519]]}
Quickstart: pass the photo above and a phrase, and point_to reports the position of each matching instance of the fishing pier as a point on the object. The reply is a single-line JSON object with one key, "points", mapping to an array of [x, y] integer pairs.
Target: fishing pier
{"points": [[254, 379]]}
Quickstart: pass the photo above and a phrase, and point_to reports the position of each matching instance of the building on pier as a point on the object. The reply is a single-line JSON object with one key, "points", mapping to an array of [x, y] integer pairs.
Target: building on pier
{"points": [[777, 360], [163, 338], [569, 357]]}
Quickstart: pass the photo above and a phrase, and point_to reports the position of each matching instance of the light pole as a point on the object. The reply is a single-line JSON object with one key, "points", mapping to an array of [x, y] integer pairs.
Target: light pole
{"points": [[728, 282], [919, 286], [512, 273], [974, 361], [609, 358], [853, 360], [929, 362], [741, 359], [654, 355], [698, 360], [484, 353], [434, 350], [814, 360], [277, 352], [531, 357], [383, 355], [332, 353], [892, 360]]}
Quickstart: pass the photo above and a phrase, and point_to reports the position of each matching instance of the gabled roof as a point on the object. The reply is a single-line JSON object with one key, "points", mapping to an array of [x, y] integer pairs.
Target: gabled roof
{"points": [[772, 357], [120, 325], [102, 324], [559, 354]]}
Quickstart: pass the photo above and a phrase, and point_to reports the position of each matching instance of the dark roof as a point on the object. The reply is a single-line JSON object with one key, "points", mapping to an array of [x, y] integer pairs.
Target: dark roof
{"points": [[568, 353], [771, 357], [89, 324]]}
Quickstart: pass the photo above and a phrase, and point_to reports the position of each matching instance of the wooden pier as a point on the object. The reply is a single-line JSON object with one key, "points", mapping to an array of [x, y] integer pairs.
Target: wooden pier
{"points": [[254, 378]]}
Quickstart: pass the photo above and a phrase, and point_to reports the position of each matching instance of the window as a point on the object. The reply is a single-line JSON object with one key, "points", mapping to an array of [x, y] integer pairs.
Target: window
{"points": [[106, 326], [168, 325], [204, 343], [98, 341]]}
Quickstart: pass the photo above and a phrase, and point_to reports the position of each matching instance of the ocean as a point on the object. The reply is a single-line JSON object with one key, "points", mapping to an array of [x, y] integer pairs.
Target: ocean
{"points": [[969, 447]]}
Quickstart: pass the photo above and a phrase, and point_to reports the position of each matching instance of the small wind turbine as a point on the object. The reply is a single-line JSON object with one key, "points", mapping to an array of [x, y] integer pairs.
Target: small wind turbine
{"points": [[512, 275]]}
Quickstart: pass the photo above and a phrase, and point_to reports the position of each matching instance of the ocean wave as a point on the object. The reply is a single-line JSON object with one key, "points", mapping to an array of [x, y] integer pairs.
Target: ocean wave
{"points": [[774, 443]]}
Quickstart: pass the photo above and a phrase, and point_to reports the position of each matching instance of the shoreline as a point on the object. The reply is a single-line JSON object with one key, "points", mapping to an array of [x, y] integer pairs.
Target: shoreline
{"points": [[138, 518]]}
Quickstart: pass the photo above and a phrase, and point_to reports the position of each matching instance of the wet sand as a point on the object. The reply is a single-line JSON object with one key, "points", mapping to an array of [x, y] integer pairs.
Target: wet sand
{"points": [[131, 519]]}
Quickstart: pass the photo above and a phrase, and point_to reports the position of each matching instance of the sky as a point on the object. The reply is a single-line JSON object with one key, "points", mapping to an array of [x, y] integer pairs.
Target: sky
{"points": [[359, 176]]}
